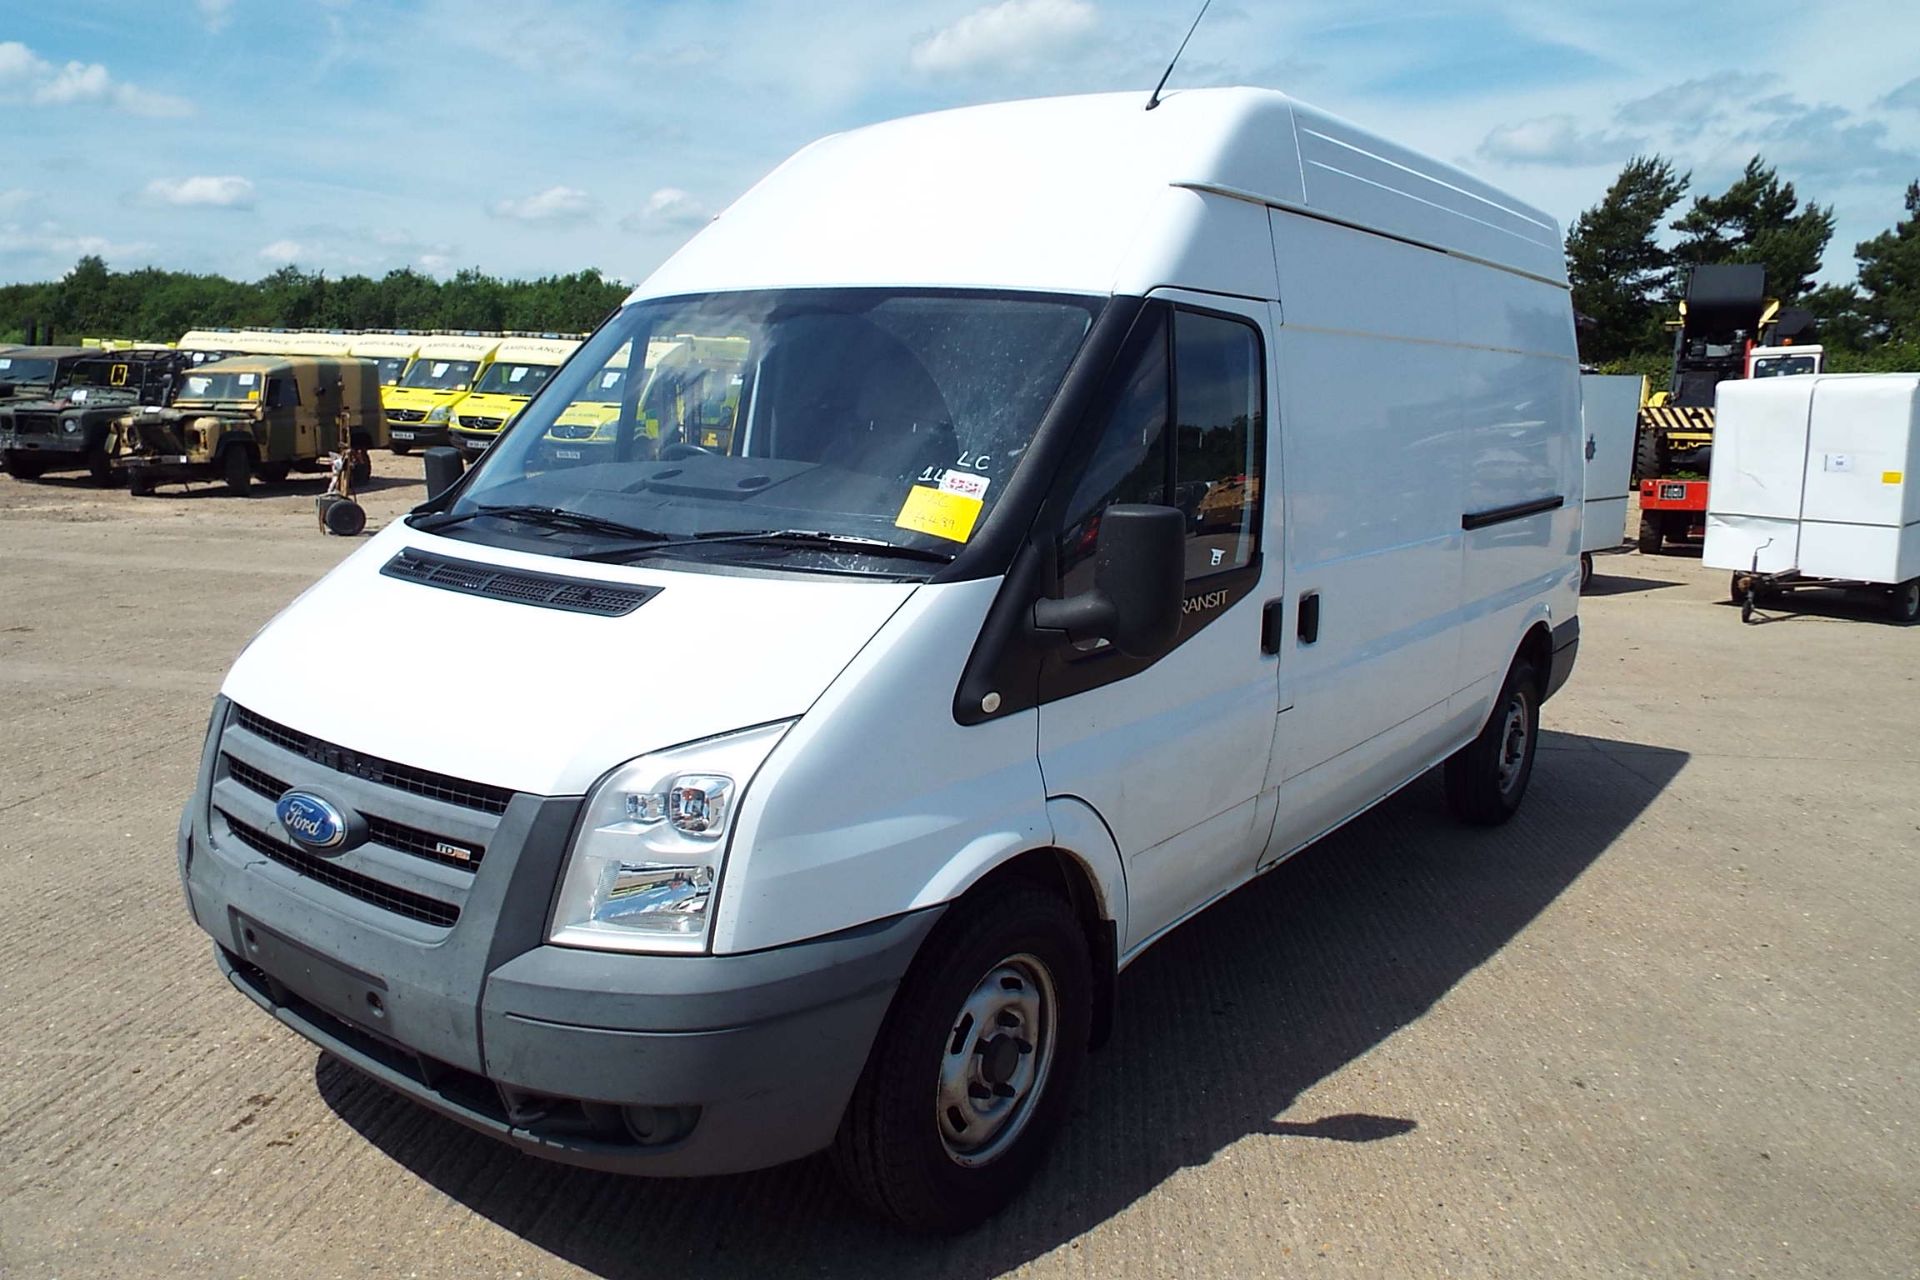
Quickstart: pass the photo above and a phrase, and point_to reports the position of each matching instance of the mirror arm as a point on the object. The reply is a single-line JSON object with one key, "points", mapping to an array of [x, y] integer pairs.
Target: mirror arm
{"points": [[1087, 616]]}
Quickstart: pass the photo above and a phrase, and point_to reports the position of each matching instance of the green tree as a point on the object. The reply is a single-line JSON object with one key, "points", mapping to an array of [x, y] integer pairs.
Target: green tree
{"points": [[1619, 272], [1890, 277], [1759, 219]]}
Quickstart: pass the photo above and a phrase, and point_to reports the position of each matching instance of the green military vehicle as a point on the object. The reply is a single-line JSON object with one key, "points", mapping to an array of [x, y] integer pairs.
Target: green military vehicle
{"points": [[29, 373], [72, 429], [251, 416]]}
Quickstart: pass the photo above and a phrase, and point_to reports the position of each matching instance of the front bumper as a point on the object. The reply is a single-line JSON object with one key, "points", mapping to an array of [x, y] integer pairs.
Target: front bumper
{"points": [[661, 1065], [49, 449], [473, 443], [419, 435]]}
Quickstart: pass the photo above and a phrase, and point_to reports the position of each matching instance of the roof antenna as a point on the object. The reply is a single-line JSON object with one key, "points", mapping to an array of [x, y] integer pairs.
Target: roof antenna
{"points": [[1154, 100]]}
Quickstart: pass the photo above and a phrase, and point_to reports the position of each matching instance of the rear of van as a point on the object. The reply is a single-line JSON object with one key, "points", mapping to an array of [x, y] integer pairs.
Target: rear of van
{"points": [[1004, 532]]}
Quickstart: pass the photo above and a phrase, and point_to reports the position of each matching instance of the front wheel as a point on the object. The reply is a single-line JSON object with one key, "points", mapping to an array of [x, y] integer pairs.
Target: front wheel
{"points": [[275, 472], [23, 465], [238, 472], [399, 449], [1586, 569], [100, 467], [1903, 602], [972, 1070], [1487, 778], [1653, 531]]}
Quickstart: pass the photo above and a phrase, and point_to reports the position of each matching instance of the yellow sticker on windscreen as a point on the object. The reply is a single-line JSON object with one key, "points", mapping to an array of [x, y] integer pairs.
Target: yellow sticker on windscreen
{"points": [[1891, 477], [944, 515]]}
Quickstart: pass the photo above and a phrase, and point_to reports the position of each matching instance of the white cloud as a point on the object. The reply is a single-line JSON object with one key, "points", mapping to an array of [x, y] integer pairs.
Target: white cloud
{"points": [[283, 252], [669, 207], [216, 13], [49, 241], [1556, 140], [1906, 96], [224, 192], [555, 205], [1013, 33], [1695, 102], [25, 76]]}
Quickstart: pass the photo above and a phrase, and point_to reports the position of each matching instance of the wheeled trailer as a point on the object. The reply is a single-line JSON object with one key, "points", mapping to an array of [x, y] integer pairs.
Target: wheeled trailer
{"points": [[1816, 483]]}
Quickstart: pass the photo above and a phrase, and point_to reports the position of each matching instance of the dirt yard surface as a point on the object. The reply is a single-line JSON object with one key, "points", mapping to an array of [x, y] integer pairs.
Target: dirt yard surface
{"points": [[1663, 1023]]}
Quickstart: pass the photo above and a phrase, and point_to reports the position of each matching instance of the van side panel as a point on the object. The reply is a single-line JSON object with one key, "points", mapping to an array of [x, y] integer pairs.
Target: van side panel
{"points": [[1520, 407], [1369, 429]]}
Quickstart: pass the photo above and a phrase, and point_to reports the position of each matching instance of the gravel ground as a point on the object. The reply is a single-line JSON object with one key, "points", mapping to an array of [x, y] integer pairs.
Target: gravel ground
{"points": [[1663, 1022]]}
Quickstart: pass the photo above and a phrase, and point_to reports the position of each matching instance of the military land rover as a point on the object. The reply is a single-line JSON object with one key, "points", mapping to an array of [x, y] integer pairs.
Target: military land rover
{"points": [[72, 428], [29, 373], [249, 416]]}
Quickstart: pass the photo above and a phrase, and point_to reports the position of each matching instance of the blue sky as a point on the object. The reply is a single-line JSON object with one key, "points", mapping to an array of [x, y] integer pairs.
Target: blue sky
{"points": [[526, 138]]}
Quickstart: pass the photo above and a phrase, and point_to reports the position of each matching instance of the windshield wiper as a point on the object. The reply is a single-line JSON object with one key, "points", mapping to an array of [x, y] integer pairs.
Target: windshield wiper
{"points": [[811, 538], [551, 517]]}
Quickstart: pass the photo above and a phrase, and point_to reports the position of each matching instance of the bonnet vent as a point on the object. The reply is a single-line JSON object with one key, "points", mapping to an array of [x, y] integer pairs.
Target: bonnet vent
{"points": [[547, 590]]}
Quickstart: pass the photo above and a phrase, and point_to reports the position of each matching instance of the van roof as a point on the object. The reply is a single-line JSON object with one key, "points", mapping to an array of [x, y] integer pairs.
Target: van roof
{"points": [[385, 344], [535, 350], [1089, 194], [456, 347]]}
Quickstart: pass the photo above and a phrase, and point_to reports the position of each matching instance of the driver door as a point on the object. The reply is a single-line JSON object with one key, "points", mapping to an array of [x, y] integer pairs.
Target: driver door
{"points": [[1173, 752]]}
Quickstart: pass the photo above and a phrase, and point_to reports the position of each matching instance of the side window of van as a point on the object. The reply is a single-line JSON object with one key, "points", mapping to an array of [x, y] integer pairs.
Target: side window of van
{"points": [[1209, 369]]}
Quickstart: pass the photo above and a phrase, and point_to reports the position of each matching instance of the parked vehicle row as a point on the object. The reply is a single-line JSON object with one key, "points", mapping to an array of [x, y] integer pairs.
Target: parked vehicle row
{"points": [[296, 396]]}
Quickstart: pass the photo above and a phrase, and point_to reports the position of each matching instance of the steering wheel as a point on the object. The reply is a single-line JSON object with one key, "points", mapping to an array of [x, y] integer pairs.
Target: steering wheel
{"points": [[682, 449]]}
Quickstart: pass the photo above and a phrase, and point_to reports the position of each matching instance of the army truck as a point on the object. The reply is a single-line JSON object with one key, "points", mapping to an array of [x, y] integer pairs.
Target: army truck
{"points": [[248, 416], [29, 373], [73, 428]]}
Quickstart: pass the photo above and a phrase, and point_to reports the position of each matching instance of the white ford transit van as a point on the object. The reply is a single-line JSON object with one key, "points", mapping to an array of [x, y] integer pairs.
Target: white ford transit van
{"points": [[1078, 510]]}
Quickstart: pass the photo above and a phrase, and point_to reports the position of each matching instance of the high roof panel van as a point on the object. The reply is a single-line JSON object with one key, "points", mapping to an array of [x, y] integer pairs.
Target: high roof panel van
{"points": [[1064, 512], [421, 404]]}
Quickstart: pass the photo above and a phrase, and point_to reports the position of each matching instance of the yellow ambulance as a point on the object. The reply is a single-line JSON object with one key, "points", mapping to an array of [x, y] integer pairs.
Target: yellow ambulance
{"points": [[521, 366], [441, 375]]}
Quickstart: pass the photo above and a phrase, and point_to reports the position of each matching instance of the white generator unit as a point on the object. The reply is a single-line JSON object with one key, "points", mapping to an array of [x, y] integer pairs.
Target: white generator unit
{"points": [[1609, 415], [1814, 484]]}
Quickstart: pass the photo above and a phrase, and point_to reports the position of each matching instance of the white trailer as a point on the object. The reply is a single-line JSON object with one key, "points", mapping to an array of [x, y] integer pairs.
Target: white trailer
{"points": [[1609, 415], [1814, 484]]}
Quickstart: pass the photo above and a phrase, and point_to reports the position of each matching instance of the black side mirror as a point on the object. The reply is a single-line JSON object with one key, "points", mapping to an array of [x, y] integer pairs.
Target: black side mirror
{"points": [[6, 390], [1139, 584], [444, 469]]}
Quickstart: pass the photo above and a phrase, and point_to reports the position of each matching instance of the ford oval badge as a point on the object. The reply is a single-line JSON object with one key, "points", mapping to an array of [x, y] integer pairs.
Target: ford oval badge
{"points": [[310, 820]]}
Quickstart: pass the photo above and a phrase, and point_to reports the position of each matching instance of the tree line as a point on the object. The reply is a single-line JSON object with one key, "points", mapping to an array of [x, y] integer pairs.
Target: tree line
{"points": [[1627, 272], [1628, 277], [151, 304]]}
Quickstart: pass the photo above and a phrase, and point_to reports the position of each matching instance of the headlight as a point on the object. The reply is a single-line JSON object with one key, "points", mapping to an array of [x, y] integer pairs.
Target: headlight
{"points": [[645, 864], [69, 426], [437, 414]]}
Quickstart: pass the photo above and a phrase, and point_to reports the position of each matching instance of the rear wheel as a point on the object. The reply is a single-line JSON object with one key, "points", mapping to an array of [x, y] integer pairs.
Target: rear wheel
{"points": [[139, 484], [1487, 778], [1903, 602], [100, 466], [238, 471], [1646, 455], [275, 472], [972, 1070]]}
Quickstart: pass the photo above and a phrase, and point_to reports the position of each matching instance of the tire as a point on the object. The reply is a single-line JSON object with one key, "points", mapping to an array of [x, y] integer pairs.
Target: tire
{"points": [[275, 472], [23, 466], [237, 468], [1586, 569], [359, 473], [1646, 455], [1652, 540], [913, 1145], [344, 518], [1903, 602], [139, 485], [1487, 779], [1734, 592], [100, 467], [400, 450]]}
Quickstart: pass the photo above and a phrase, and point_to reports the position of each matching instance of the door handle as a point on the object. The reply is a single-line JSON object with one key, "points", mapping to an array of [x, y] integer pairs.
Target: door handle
{"points": [[1272, 625], [1308, 626]]}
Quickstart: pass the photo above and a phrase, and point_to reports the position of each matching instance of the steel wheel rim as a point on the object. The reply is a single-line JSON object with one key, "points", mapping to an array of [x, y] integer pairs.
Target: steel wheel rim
{"points": [[1515, 734], [1909, 597], [996, 1059]]}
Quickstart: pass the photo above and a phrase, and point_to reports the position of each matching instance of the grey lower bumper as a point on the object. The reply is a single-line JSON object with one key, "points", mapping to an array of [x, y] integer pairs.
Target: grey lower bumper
{"points": [[1566, 647]]}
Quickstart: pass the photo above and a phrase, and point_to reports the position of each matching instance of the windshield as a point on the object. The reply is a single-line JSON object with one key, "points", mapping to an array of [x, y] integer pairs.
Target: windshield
{"points": [[18, 369], [1784, 366], [221, 386], [893, 417], [130, 376], [505, 379], [391, 367], [440, 375]]}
